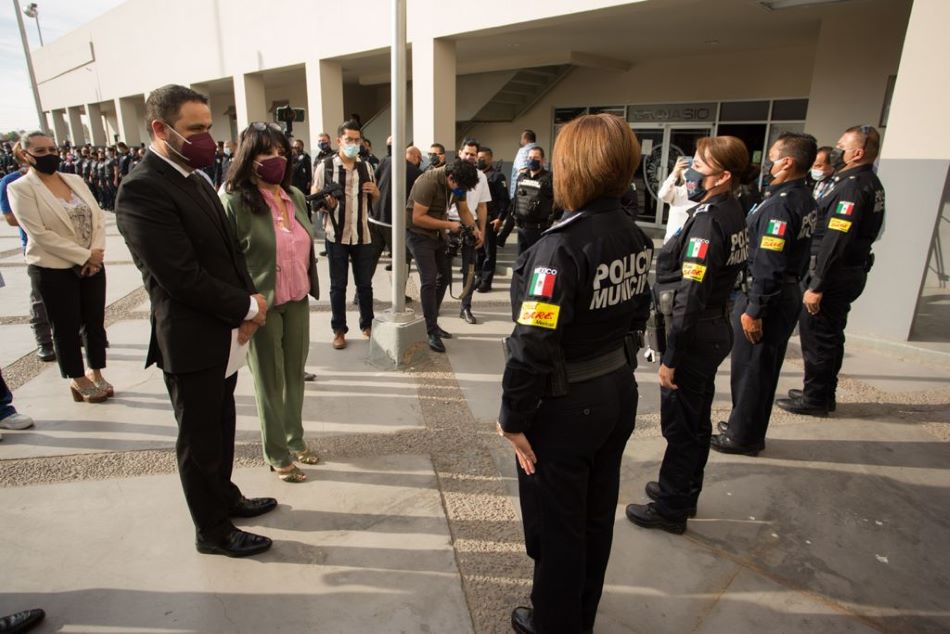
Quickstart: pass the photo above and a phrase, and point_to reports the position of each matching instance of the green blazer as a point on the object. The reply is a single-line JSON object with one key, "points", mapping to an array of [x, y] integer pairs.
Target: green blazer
{"points": [[255, 236]]}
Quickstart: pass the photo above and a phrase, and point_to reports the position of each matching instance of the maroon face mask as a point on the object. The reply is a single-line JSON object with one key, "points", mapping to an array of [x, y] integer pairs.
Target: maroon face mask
{"points": [[272, 170], [198, 149]]}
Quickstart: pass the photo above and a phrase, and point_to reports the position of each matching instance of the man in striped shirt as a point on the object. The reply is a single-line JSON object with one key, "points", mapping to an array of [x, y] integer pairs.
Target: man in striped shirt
{"points": [[346, 224]]}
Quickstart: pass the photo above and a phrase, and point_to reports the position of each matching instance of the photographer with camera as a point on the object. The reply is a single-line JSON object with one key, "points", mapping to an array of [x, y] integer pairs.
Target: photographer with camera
{"points": [[344, 191], [426, 223]]}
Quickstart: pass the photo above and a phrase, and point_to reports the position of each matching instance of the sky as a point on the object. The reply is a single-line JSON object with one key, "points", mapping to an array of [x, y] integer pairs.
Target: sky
{"points": [[56, 17]]}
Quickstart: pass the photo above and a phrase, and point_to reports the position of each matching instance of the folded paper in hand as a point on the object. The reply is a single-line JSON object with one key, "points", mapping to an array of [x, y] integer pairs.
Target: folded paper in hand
{"points": [[238, 356]]}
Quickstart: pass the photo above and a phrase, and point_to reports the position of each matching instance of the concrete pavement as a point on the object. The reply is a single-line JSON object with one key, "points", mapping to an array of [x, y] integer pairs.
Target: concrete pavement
{"points": [[411, 523]]}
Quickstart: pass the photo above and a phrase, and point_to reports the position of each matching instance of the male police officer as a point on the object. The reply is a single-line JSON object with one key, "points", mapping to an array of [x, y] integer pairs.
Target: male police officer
{"points": [[532, 208], [764, 316], [498, 187], [850, 218]]}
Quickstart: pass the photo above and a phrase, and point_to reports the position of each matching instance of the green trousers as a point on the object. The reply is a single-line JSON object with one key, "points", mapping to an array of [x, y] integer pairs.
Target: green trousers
{"points": [[276, 356]]}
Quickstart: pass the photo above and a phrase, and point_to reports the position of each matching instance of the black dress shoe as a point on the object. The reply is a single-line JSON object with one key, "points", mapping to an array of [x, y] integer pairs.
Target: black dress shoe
{"points": [[653, 492], [252, 507], [466, 314], [646, 516], [435, 343], [442, 334], [389, 267], [799, 406], [47, 354], [309, 377], [484, 287], [724, 444], [522, 620], [21, 621], [798, 394], [722, 426], [238, 543]]}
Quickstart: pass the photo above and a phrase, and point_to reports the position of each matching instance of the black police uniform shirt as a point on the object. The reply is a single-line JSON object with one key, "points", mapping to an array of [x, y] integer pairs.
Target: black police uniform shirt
{"points": [[701, 264], [302, 176], [574, 296], [108, 169], [850, 218], [498, 188], [125, 163], [543, 212], [780, 230]]}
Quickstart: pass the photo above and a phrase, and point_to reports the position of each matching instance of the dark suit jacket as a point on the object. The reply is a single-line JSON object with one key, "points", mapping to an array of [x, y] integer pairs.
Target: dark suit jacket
{"points": [[192, 268]]}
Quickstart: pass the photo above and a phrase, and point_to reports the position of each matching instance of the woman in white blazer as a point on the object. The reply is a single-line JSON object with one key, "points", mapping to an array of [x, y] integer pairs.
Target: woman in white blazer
{"points": [[64, 254]]}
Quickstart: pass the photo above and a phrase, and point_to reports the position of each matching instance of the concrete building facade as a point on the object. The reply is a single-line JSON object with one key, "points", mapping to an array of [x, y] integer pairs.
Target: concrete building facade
{"points": [[675, 69]]}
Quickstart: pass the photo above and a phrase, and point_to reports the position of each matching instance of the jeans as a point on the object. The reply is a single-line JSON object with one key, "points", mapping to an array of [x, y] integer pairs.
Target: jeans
{"points": [[434, 272], [6, 400], [339, 256], [39, 321]]}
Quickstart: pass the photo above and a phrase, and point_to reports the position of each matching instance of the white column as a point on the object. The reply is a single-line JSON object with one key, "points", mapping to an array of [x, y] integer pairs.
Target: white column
{"points": [[250, 99], [127, 115], [96, 129], [60, 130], [433, 93], [324, 98], [74, 119]]}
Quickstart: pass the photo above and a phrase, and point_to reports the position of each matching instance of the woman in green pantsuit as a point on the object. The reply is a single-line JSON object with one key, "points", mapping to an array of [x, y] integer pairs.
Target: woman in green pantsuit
{"points": [[269, 217]]}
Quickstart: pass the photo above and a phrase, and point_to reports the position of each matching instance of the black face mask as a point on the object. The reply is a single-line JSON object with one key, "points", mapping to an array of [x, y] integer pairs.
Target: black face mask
{"points": [[47, 164], [695, 190], [363, 151], [836, 158], [434, 159], [482, 164], [389, 150]]}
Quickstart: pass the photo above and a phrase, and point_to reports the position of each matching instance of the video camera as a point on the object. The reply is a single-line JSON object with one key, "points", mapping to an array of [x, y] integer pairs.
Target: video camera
{"points": [[330, 189], [464, 238]]}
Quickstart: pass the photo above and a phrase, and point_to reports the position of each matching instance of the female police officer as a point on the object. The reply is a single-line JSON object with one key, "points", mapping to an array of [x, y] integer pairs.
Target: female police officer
{"points": [[570, 398], [695, 273]]}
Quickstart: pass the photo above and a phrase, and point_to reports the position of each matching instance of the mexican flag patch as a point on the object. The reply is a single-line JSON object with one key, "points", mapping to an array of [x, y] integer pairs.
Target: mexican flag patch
{"points": [[542, 282], [844, 208], [777, 227], [697, 248]]}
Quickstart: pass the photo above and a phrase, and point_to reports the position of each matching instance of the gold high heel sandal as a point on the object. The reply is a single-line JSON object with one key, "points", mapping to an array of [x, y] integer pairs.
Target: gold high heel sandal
{"points": [[88, 394], [292, 475], [105, 387], [308, 456]]}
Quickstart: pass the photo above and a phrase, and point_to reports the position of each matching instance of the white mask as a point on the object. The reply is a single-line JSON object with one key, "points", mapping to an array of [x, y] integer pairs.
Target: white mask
{"points": [[817, 175]]}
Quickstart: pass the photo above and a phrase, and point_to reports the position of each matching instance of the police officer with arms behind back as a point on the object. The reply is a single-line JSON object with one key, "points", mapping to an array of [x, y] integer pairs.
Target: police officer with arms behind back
{"points": [[765, 314], [850, 218], [579, 296], [695, 274]]}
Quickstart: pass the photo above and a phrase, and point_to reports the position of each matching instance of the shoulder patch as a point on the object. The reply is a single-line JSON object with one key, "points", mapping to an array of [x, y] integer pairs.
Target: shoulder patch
{"points": [[693, 271], [776, 227], [697, 248], [837, 224], [844, 208], [539, 314], [701, 209], [771, 243], [542, 282]]}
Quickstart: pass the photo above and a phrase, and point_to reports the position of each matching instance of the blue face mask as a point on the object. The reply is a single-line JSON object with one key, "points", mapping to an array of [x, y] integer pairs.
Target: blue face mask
{"points": [[534, 165], [351, 151], [458, 192]]}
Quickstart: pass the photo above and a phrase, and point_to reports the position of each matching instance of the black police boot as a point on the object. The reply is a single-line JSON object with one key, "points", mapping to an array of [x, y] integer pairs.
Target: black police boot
{"points": [[46, 353], [798, 394], [466, 314], [646, 516], [724, 444], [435, 343], [722, 426], [442, 334], [484, 286], [522, 620], [800, 406], [653, 492]]}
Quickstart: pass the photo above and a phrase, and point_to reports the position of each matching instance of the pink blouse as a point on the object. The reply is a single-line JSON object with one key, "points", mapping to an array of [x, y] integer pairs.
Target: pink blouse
{"points": [[293, 251]]}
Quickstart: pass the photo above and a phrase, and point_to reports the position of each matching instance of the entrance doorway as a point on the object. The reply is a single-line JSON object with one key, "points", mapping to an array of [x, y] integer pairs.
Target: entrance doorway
{"points": [[661, 144]]}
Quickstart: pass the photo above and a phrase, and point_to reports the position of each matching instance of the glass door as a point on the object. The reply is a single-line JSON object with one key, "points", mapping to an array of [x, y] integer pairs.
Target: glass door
{"points": [[661, 145]]}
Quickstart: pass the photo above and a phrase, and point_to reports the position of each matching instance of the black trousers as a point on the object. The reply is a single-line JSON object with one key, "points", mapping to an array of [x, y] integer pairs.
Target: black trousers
{"points": [[74, 305], [469, 258], [756, 368], [39, 321], [383, 240], [527, 237], [822, 335], [204, 408], [435, 270], [568, 505], [684, 418], [486, 256]]}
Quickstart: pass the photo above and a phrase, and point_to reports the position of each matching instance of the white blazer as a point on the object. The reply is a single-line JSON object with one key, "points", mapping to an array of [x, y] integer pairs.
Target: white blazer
{"points": [[52, 237]]}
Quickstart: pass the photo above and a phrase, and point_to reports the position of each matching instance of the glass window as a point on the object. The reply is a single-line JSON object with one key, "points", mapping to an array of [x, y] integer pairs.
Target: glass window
{"points": [[619, 111], [744, 111], [789, 109]]}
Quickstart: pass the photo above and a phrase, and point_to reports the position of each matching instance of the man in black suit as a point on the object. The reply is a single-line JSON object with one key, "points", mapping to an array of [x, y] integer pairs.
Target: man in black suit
{"points": [[200, 291]]}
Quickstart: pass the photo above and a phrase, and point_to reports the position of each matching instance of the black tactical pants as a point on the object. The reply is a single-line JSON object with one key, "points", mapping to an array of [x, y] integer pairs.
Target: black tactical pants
{"points": [[684, 418], [756, 368], [822, 335], [568, 505]]}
